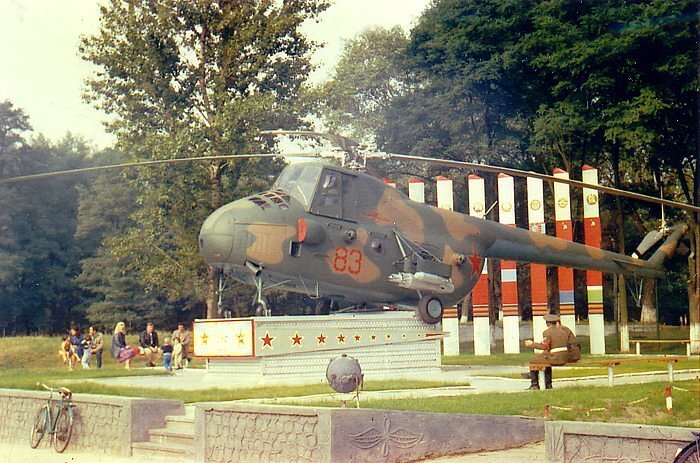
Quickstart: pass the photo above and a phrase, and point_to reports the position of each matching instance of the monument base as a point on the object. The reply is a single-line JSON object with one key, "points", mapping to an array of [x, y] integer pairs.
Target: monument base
{"points": [[297, 350]]}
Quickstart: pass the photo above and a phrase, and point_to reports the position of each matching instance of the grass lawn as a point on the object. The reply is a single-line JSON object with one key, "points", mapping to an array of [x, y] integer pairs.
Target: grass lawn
{"points": [[686, 405], [31, 359]]}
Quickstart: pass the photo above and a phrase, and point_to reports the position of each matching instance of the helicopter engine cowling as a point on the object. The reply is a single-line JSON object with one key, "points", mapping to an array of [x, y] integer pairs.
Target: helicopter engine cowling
{"points": [[421, 281]]}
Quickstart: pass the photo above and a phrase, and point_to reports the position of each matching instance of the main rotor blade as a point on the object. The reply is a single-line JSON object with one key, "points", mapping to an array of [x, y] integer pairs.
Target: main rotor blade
{"points": [[523, 173], [23, 178]]}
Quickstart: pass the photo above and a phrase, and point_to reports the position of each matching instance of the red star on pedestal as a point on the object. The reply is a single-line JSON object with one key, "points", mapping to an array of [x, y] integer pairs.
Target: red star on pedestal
{"points": [[341, 338], [357, 337], [374, 337], [321, 339], [297, 339], [267, 340], [475, 261]]}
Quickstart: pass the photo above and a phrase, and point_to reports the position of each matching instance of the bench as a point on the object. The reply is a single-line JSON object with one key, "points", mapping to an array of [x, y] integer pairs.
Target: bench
{"points": [[611, 364], [687, 342]]}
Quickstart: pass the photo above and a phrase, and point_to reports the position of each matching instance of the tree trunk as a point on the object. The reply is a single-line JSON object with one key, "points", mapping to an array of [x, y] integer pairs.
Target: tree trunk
{"points": [[211, 296], [621, 287], [649, 312], [694, 288]]}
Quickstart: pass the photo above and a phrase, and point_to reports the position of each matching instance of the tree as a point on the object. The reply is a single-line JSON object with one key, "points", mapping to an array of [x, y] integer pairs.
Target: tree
{"points": [[195, 78]]}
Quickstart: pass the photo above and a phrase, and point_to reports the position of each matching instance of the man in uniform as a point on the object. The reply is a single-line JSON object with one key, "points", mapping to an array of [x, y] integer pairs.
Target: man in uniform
{"points": [[555, 346]]}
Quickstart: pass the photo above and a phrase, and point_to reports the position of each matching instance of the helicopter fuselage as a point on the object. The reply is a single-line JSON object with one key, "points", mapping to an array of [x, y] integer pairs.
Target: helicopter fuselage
{"points": [[332, 232]]}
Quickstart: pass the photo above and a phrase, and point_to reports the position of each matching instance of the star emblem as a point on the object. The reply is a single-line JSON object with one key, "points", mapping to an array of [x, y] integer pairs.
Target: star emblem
{"points": [[341, 338], [204, 338], [475, 261], [267, 340], [321, 339], [357, 338], [241, 338], [374, 338], [297, 339]]}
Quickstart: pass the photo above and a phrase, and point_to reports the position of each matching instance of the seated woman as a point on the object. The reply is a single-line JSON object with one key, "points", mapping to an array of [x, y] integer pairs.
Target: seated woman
{"points": [[120, 350]]}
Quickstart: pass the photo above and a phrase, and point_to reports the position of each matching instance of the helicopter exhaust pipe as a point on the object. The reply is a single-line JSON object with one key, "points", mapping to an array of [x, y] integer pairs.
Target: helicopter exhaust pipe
{"points": [[422, 281], [254, 268]]}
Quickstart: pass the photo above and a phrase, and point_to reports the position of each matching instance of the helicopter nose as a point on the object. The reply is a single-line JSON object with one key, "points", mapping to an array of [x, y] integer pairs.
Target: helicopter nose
{"points": [[216, 237]]}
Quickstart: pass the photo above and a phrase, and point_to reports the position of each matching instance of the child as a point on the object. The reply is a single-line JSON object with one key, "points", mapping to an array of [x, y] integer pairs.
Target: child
{"points": [[66, 352], [168, 356]]}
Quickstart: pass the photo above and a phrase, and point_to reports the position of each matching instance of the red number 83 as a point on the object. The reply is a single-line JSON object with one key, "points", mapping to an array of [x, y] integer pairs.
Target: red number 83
{"points": [[349, 261]]}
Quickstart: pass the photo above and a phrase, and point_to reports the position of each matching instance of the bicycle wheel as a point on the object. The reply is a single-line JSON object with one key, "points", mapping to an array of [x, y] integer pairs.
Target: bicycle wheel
{"points": [[689, 454], [64, 429], [41, 422]]}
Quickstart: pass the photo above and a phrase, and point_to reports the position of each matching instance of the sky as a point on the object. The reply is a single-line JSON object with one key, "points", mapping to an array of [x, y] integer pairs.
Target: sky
{"points": [[42, 73]]}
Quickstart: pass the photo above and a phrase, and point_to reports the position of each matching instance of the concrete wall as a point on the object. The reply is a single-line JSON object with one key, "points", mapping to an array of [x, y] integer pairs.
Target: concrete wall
{"points": [[262, 433], [574, 441], [103, 424]]}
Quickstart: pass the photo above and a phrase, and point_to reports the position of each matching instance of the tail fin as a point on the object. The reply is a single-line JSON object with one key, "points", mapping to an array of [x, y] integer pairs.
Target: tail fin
{"points": [[667, 249]]}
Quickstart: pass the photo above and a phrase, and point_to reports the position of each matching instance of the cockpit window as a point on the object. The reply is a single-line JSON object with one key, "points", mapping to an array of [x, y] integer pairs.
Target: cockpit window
{"points": [[299, 182]]}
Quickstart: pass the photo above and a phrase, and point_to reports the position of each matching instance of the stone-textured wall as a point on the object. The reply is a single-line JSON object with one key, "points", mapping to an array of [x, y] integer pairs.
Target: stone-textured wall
{"points": [[103, 424], [261, 433], [268, 433], [573, 442]]}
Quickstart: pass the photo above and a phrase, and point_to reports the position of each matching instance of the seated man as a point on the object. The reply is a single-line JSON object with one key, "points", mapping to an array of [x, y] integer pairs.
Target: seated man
{"points": [[555, 346], [148, 340]]}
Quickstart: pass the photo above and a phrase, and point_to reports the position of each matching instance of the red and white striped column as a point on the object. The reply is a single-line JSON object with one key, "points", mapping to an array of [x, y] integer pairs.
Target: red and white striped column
{"points": [[416, 190], [480, 293], [450, 321], [594, 279], [562, 214], [538, 272], [509, 276]]}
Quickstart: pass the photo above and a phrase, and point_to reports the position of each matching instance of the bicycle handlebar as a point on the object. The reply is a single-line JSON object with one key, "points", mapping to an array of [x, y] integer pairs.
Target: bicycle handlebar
{"points": [[63, 390]]}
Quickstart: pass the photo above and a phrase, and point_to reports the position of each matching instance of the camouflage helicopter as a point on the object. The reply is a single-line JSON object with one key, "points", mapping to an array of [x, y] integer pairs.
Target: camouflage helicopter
{"points": [[343, 236]]}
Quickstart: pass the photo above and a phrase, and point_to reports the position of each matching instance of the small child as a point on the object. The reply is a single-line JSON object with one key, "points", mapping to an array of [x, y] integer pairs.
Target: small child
{"points": [[168, 356], [66, 352]]}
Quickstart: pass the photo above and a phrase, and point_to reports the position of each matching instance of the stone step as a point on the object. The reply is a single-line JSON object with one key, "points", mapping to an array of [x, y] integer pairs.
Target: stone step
{"points": [[180, 423], [168, 436], [170, 452]]}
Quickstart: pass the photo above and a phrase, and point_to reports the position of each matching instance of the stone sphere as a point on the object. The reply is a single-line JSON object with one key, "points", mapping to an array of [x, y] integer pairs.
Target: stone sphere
{"points": [[344, 374]]}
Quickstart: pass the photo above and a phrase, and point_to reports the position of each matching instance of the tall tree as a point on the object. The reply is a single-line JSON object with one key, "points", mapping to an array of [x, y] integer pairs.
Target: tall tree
{"points": [[195, 78]]}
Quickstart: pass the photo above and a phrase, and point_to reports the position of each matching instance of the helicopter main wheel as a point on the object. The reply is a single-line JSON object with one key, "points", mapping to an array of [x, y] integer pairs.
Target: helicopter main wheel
{"points": [[430, 309], [260, 309]]}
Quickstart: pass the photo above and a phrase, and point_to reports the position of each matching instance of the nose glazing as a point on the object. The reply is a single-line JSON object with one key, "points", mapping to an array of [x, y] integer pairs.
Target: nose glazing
{"points": [[216, 237]]}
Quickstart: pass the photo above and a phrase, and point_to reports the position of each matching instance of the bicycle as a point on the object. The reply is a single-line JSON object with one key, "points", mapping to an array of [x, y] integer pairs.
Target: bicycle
{"points": [[691, 452], [56, 417]]}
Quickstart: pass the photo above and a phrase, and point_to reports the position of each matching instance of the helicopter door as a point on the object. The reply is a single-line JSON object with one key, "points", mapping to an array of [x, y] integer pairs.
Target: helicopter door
{"points": [[328, 198]]}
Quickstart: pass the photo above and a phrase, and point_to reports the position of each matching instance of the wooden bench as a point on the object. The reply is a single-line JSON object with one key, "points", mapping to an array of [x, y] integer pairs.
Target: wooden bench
{"points": [[687, 342], [611, 364]]}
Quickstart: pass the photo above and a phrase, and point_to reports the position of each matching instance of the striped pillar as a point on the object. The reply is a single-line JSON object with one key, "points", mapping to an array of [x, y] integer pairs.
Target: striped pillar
{"points": [[562, 214], [416, 190], [391, 183], [450, 323], [480, 293], [444, 193], [509, 277], [538, 272], [594, 279]]}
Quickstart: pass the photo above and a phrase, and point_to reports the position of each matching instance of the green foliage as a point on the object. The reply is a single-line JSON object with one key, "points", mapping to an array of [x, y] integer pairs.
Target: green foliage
{"points": [[194, 78]]}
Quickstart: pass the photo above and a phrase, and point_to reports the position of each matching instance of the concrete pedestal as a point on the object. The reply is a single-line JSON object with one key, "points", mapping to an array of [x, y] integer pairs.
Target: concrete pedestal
{"points": [[297, 350], [596, 329], [450, 325], [482, 336], [511, 335], [569, 321]]}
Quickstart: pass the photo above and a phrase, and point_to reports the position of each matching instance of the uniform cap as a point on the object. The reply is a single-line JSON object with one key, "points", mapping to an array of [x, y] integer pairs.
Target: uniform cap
{"points": [[551, 317]]}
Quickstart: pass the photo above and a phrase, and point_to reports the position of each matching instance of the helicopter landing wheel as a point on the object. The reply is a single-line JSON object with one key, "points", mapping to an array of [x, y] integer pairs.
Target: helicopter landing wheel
{"points": [[260, 309], [430, 309]]}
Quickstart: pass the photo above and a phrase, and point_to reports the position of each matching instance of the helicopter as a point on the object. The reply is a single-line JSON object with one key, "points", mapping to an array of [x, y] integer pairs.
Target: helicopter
{"points": [[343, 236]]}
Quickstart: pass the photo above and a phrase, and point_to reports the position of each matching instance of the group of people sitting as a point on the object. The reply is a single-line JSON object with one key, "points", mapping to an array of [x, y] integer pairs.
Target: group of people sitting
{"points": [[77, 348], [174, 349]]}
